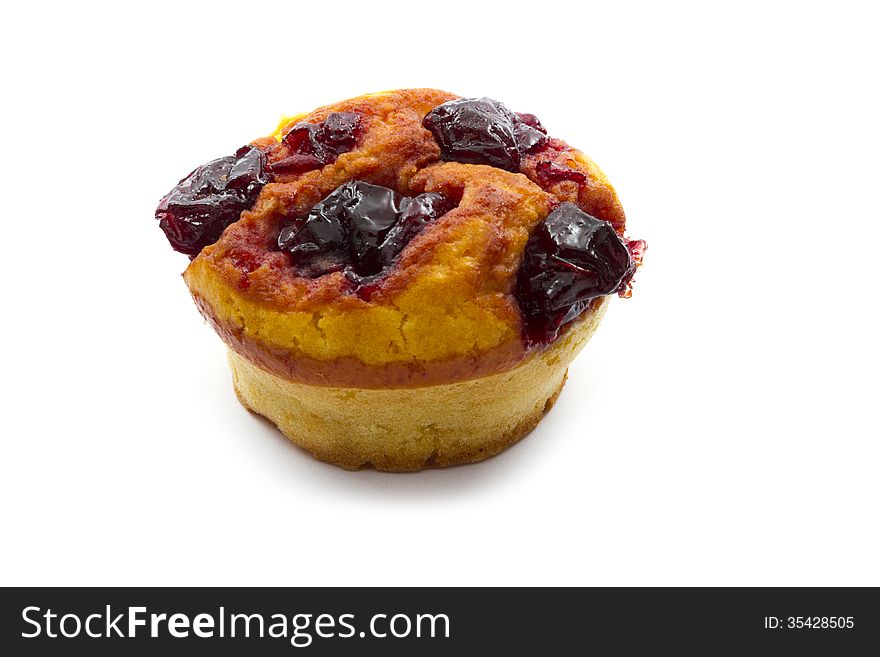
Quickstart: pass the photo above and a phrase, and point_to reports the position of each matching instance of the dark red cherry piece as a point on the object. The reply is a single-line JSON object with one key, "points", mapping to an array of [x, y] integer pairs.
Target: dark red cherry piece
{"points": [[419, 212], [550, 173], [570, 259], [198, 209], [530, 135], [314, 145], [297, 163], [369, 220], [484, 131], [339, 132], [359, 228], [475, 131]]}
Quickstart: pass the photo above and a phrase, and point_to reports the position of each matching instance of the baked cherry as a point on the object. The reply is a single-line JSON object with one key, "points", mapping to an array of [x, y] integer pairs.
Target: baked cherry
{"points": [[484, 131], [420, 211], [198, 209], [475, 131], [313, 145], [550, 173], [359, 228], [530, 135], [370, 215], [339, 132], [570, 259]]}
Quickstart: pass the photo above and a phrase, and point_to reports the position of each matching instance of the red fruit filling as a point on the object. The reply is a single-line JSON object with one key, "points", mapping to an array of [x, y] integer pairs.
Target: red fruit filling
{"points": [[359, 229], [313, 145], [570, 259], [198, 209]]}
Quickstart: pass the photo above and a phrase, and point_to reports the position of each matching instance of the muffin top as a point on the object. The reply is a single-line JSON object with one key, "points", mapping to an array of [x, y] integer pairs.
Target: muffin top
{"points": [[400, 238]]}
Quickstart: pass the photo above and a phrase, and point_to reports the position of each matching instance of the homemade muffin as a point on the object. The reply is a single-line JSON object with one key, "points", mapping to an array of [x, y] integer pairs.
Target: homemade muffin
{"points": [[402, 278]]}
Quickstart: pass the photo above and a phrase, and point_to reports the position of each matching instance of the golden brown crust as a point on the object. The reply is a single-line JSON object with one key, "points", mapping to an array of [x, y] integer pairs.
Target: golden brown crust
{"points": [[352, 372], [594, 195], [446, 304], [440, 457], [405, 429]]}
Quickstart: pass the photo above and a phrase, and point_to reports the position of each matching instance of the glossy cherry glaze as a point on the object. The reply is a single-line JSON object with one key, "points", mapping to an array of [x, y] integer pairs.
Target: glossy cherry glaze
{"points": [[570, 259], [484, 131], [359, 229], [530, 135], [195, 212], [314, 145], [550, 173]]}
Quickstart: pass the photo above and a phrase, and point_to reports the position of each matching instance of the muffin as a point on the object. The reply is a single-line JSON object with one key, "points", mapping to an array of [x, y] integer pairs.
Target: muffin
{"points": [[403, 278]]}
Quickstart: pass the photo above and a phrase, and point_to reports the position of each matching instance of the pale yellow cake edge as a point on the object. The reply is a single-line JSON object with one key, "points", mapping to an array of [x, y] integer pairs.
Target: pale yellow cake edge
{"points": [[408, 429]]}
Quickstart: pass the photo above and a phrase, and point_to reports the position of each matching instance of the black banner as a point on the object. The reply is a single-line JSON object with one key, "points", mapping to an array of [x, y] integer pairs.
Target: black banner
{"points": [[114, 621]]}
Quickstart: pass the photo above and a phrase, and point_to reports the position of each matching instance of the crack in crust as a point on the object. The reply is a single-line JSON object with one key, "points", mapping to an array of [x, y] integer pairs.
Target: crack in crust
{"points": [[448, 298]]}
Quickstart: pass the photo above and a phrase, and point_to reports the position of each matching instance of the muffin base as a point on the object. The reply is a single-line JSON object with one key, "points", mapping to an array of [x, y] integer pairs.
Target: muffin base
{"points": [[406, 429]]}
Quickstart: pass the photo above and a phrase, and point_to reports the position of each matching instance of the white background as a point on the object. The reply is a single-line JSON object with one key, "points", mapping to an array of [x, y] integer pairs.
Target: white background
{"points": [[721, 428]]}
